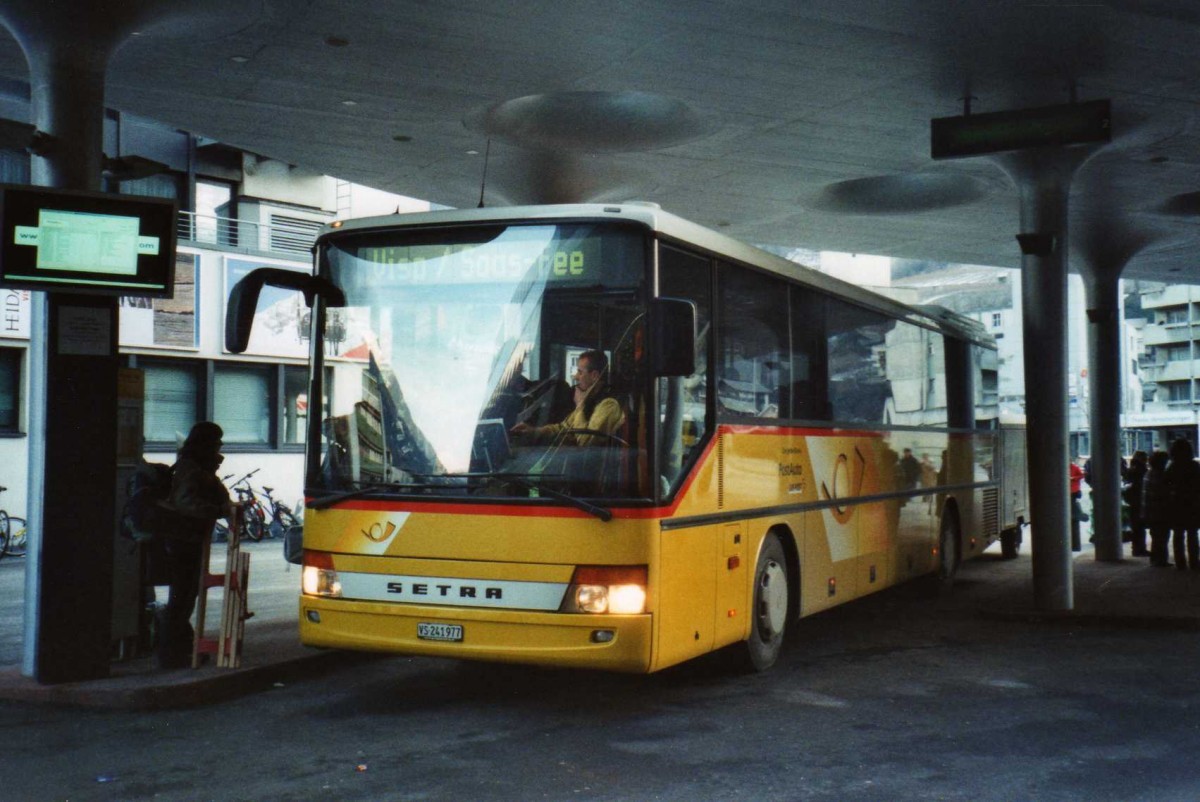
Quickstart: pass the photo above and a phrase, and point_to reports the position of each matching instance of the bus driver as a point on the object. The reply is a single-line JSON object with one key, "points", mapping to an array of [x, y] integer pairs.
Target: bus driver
{"points": [[595, 408]]}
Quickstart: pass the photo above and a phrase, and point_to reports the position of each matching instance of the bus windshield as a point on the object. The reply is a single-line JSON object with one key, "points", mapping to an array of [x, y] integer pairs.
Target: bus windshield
{"points": [[457, 355]]}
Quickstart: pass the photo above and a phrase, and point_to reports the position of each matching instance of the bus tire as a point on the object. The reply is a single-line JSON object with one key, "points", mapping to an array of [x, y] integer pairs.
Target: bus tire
{"points": [[769, 614], [948, 549]]}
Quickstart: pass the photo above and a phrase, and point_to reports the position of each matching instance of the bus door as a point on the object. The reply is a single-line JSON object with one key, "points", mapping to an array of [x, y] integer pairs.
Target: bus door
{"points": [[686, 581]]}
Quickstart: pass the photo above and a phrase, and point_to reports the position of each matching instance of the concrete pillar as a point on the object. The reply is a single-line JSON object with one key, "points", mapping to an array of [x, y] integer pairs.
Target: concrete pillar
{"points": [[1101, 284], [1043, 180]]}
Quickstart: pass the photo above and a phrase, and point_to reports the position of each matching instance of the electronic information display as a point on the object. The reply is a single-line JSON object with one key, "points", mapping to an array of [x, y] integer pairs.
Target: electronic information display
{"points": [[89, 242]]}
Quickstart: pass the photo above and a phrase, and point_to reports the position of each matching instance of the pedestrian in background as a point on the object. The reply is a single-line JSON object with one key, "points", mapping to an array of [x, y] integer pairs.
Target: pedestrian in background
{"points": [[1078, 516], [1183, 481], [1135, 476], [1156, 507]]}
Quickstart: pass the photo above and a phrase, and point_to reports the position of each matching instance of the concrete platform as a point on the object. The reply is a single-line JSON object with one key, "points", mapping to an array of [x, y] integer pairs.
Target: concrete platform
{"points": [[1126, 594]]}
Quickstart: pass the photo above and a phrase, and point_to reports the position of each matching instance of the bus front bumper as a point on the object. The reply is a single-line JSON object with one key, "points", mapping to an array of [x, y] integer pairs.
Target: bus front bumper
{"points": [[607, 642]]}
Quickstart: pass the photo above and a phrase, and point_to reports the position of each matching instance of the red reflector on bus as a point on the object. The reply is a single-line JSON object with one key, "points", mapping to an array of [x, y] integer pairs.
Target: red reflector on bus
{"points": [[318, 559], [610, 575]]}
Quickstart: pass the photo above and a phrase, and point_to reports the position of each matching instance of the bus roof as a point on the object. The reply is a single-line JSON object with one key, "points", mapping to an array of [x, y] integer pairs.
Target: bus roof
{"points": [[673, 227]]}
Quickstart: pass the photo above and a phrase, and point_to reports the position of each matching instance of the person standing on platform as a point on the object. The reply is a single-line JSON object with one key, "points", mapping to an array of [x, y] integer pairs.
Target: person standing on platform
{"points": [[198, 498], [1135, 476], [1078, 516], [1183, 480], [1156, 507]]}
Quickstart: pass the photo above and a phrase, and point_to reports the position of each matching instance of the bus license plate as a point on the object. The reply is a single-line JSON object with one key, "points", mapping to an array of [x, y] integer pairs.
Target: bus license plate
{"points": [[450, 632]]}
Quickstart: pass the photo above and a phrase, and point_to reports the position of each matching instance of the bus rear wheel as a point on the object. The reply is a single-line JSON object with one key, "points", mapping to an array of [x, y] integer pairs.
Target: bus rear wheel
{"points": [[770, 612]]}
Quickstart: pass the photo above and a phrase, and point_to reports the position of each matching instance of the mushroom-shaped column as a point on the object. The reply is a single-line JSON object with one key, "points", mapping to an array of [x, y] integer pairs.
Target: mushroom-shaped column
{"points": [[1105, 247]]}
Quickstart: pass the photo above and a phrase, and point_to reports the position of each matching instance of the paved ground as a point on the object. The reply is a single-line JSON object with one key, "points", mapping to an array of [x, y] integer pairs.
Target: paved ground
{"points": [[1129, 594], [271, 650]]}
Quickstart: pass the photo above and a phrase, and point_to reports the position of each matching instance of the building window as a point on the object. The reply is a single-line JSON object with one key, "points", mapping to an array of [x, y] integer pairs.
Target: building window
{"points": [[258, 406], [213, 212], [1178, 392], [1179, 353], [997, 319], [172, 400], [1177, 315], [295, 404], [10, 389], [242, 403]]}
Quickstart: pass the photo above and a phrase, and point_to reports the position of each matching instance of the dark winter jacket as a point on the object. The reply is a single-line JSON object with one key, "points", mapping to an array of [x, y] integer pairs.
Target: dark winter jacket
{"points": [[1156, 498], [1183, 482]]}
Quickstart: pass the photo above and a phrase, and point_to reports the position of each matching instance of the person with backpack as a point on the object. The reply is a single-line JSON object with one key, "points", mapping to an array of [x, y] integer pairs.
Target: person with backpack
{"points": [[1183, 481], [197, 499]]}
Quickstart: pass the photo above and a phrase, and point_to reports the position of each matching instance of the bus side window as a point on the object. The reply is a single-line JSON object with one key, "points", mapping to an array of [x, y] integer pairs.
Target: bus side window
{"points": [[809, 388], [683, 401], [754, 362]]}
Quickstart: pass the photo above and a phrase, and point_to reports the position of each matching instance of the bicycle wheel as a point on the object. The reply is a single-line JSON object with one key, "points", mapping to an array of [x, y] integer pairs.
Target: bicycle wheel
{"points": [[17, 537], [253, 525], [3, 533]]}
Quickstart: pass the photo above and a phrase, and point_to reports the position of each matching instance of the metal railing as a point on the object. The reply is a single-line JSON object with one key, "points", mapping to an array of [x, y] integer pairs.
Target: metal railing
{"points": [[285, 238]]}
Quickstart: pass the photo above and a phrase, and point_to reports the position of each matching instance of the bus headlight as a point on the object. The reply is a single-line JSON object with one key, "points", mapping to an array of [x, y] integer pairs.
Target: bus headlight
{"points": [[615, 589], [319, 578]]}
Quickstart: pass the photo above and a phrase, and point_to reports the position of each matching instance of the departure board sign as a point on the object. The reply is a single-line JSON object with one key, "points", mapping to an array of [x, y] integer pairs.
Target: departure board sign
{"points": [[996, 132], [89, 242]]}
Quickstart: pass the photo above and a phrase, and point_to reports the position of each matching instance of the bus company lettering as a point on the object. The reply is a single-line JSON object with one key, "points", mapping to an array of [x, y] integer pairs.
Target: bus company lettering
{"points": [[792, 473], [445, 591]]}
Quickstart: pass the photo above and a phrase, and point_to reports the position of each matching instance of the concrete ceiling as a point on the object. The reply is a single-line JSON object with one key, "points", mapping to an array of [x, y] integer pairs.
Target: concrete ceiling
{"points": [[785, 122]]}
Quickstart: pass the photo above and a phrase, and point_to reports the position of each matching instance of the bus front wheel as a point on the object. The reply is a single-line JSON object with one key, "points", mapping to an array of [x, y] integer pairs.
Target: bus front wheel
{"points": [[770, 612]]}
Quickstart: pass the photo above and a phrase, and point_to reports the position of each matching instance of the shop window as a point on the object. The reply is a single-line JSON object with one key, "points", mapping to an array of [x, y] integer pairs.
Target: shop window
{"points": [[172, 400], [10, 389], [242, 403], [295, 404]]}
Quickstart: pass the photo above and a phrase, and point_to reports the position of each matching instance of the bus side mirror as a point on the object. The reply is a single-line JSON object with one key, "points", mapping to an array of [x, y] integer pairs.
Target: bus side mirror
{"points": [[243, 299], [672, 337]]}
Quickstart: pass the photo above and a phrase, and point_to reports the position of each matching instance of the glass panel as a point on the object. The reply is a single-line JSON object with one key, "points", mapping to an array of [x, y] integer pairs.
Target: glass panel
{"points": [[809, 390], [295, 404], [242, 403], [10, 388], [171, 402], [211, 198], [463, 345], [858, 362], [754, 359], [683, 408]]}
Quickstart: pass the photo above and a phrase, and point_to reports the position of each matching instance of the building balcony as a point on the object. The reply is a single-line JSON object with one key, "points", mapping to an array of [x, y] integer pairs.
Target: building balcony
{"points": [[1172, 295], [1170, 333], [288, 238], [1180, 371]]}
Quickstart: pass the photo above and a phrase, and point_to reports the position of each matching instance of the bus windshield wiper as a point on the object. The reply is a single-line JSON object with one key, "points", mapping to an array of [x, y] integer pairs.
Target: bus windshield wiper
{"points": [[526, 480], [333, 498]]}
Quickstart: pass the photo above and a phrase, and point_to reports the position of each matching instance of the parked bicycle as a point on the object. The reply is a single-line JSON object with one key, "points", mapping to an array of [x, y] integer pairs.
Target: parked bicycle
{"points": [[254, 525], [282, 517], [13, 533]]}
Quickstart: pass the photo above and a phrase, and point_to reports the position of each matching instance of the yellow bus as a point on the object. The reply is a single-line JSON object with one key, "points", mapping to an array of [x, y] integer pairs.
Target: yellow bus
{"points": [[602, 436]]}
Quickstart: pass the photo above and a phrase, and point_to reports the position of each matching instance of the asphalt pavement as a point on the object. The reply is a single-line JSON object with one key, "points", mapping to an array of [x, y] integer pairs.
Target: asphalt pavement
{"points": [[1127, 594]]}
